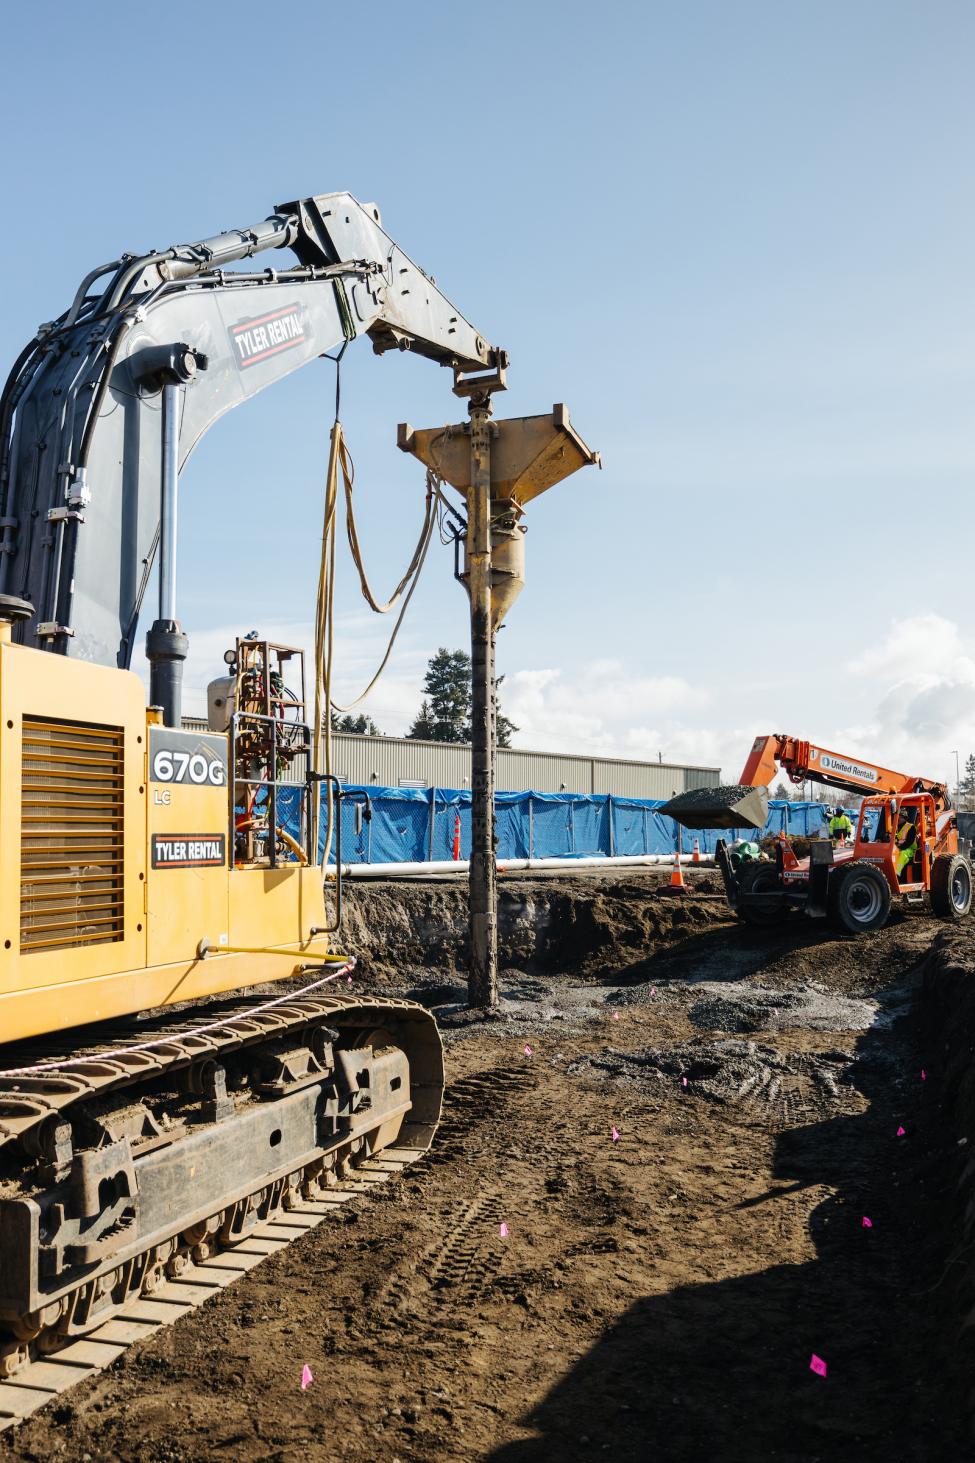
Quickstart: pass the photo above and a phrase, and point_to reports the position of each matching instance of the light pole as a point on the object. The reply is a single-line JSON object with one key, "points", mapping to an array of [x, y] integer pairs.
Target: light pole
{"points": [[957, 776]]}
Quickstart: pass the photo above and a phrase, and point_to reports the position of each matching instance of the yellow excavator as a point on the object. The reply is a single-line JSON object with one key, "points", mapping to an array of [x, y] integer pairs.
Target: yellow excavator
{"points": [[159, 1095]]}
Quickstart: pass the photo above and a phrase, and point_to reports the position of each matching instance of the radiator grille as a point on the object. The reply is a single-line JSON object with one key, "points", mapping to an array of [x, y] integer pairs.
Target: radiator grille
{"points": [[71, 846]]}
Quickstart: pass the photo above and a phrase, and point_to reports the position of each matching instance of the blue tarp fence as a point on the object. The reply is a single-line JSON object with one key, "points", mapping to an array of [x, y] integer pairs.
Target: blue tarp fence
{"points": [[415, 825]]}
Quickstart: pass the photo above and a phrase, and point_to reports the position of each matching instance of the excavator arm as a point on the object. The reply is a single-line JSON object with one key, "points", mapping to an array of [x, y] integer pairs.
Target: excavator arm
{"points": [[81, 425], [805, 762]]}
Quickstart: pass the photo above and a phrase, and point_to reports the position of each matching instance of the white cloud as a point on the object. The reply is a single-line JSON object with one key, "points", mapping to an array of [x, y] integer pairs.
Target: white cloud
{"points": [[915, 646], [603, 708], [921, 681], [906, 703]]}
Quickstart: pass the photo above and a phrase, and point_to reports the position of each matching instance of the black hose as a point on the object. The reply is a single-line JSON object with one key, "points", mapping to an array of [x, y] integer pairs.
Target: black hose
{"points": [[82, 290], [8, 405], [98, 398]]}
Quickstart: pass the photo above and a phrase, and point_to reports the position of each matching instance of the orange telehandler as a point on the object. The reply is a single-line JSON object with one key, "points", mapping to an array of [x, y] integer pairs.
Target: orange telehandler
{"points": [[905, 845]]}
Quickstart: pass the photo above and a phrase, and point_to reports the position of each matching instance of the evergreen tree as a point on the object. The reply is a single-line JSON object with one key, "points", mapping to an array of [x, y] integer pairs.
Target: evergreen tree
{"points": [[361, 725], [422, 728], [966, 788], [447, 686], [445, 713], [503, 730], [503, 725]]}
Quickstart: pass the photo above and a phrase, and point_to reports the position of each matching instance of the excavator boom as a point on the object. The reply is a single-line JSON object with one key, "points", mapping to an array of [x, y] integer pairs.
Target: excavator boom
{"points": [[81, 429]]}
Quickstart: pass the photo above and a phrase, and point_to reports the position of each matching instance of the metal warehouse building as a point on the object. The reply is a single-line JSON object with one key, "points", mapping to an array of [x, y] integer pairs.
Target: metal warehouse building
{"points": [[404, 762]]}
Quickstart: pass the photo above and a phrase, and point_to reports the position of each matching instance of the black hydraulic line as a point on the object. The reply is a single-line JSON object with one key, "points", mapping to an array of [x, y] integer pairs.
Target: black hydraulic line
{"points": [[97, 400], [130, 274], [83, 288], [30, 362], [13, 375], [8, 403], [128, 639], [206, 254]]}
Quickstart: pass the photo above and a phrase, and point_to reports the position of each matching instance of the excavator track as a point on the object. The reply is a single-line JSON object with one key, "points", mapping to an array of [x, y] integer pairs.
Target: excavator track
{"points": [[149, 1169]]}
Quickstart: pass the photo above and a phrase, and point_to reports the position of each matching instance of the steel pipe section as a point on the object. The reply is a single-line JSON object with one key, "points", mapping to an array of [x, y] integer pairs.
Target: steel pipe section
{"points": [[514, 865]]}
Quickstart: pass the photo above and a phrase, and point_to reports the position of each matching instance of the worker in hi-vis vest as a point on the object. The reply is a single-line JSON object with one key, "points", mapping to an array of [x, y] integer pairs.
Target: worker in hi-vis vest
{"points": [[840, 826], [906, 841]]}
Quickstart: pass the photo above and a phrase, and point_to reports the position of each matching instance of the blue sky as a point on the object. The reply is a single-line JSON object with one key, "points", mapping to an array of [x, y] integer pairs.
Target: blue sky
{"points": [[734, 238]]}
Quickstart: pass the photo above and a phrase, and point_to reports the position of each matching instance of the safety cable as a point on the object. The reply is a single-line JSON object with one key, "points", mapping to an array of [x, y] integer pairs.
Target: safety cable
{"points": [[344, 962]]}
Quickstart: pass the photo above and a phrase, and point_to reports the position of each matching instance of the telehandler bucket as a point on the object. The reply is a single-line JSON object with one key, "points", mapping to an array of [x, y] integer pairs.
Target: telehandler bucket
{"points": [[734, 806]]}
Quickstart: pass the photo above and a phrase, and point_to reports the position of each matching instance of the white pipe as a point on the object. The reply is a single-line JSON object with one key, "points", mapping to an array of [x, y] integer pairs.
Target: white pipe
{"points": [[513, 865]]}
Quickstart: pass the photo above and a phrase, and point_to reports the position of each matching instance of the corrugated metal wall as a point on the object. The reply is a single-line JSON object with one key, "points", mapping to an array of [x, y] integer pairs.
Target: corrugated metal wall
{"points": [[393, 761], [399, 761]]}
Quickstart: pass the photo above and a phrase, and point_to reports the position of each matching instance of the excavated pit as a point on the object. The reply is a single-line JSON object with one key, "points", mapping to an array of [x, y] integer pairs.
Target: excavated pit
{"points": [[572, 925], [782, 1182]]}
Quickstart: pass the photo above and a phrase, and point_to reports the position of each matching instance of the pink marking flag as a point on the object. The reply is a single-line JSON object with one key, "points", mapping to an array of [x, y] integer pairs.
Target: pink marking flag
{"points": [[616, 1015], [528, 1050], [866, 1223], [616, 1136], [306, 1378], [902, 1132], [817, 1365], [503, 1231], [653, 991], [683, 1081], [924, 1075]]}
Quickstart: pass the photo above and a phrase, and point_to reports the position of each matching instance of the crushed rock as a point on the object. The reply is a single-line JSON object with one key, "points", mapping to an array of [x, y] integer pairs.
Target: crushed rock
{"points": [[730, 1071], [744, 1007]]}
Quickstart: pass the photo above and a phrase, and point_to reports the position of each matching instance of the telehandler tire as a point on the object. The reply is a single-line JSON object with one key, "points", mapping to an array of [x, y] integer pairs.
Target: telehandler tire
{"points": [[858, 898], [951, 886], [757, 879]]}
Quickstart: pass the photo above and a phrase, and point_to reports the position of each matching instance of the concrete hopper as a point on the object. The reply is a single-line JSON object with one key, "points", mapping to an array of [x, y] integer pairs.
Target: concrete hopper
{"points": [[528, 455]]}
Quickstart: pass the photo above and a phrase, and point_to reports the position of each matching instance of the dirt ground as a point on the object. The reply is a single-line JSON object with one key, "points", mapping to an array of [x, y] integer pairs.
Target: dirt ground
{"points": [[655, 1297]]}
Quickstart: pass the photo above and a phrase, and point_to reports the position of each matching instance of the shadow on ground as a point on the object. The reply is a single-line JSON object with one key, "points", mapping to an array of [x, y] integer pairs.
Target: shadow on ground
{"points": [[720, 1371], [733, 951]]}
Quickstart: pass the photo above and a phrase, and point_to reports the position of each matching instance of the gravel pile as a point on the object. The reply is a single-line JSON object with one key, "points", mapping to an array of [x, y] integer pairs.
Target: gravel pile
{"points": [[707, 797], [743, 1007], [729, 1072], [733, 805]]}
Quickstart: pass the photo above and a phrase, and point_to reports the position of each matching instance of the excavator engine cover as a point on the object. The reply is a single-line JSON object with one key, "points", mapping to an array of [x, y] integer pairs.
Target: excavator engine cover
{"points": [[735, 806]]}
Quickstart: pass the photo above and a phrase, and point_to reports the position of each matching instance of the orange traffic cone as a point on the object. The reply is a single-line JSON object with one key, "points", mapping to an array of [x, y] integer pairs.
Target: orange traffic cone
{"points": [[677, 877], [696, 855]]}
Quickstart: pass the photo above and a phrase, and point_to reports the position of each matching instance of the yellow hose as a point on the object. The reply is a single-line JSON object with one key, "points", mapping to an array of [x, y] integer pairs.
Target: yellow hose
{"points": [[285, 838], [339, 456]]}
